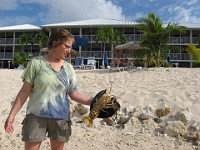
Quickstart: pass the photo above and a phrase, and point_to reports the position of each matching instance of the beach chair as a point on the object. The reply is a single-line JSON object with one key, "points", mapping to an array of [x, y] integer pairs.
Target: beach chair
{"points": [[91, 63], [79, 63]]}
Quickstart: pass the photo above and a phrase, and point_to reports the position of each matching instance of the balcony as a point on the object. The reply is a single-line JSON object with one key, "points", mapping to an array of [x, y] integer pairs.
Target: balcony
{"points": [[96, 54], [180, 57], [179, 40], [9, 55], [6, 41]]}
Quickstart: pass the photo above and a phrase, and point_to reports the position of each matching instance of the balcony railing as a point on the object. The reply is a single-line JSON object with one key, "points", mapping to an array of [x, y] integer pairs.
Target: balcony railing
{"points": [[9, 55], [178, 40], [180, 56], [6, 41], [99, 55], [96, 54], [129, 37]]}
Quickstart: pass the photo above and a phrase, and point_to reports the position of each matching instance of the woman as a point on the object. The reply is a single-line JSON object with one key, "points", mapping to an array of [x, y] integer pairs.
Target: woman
{"points": [[48, 81]]}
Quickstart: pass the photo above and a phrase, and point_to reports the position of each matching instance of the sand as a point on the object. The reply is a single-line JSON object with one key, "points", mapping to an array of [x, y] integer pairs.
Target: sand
{"points": [[178, 87]]}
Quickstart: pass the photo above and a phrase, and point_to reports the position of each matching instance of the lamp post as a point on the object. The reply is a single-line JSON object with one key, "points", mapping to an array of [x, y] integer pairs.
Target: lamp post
{"points": [[9, 64]]}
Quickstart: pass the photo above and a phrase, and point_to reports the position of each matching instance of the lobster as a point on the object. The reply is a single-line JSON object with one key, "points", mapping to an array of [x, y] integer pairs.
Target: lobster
{"points": [[103, 105]]}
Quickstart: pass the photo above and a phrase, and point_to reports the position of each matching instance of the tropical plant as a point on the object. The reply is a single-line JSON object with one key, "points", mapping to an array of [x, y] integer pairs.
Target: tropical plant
{"points": [[108, 35], [119, 37], [198, 40], [104, 34], [155, 38], [20, 57], [193, 51], [42, 39], [25, 39]]}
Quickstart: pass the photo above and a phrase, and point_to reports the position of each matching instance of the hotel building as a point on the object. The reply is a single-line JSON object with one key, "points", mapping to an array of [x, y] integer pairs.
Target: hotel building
{"points": [[9, 39]]}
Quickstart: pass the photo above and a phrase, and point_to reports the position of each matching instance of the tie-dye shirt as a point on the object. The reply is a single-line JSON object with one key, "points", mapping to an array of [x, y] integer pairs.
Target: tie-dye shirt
{"points": [[49, 97]]}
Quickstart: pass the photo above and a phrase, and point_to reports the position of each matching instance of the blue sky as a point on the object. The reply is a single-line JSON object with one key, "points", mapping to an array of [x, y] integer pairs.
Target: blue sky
{"points": [[39, 12]]}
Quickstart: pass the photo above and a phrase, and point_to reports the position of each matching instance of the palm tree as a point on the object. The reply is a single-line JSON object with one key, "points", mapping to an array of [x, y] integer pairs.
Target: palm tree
{"points": [[194, 53], [119, 37], [198, 40], [155, 38], [42, 39], [108, 35], [25, 39], [105, 35], [20, 57]]}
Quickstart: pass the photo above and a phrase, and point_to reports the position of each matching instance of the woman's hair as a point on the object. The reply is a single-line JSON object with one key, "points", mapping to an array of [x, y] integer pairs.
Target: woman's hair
{"points": [[58, 36]]}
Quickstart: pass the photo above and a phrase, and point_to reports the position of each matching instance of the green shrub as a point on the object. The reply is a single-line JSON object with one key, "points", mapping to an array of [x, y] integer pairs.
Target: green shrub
{"points": [[20, 58], [196, 64]]}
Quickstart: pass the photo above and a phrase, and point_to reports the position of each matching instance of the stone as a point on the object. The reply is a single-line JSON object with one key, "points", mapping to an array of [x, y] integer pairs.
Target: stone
{"points": [[173, 128], [183, 116], [81, 109]]}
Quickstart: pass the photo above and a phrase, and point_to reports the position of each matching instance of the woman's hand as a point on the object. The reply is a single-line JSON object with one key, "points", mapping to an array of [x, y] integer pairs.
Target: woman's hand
{"points": [[8, 126], [19, 102]]}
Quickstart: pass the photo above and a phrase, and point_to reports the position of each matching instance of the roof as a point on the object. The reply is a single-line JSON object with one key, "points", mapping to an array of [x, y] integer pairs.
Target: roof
{"points": [[187, 25], [23, 27], [92, 22], [190, 25], [128, 46]]}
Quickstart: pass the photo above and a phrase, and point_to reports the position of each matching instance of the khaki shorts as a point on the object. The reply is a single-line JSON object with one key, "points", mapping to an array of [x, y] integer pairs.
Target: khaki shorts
{"points": [[34, 129]]}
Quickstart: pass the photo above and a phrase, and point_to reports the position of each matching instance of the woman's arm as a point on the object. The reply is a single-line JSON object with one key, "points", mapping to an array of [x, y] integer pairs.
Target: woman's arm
{"points": [[19, 102], [78, 97]]}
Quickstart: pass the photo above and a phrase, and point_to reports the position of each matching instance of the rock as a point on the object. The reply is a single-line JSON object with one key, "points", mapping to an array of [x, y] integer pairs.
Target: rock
{"points": [[150, 123], [147, 113], [81, 109], [129, 110], [162, 112], [191, 136], [173, 128], [193, 125], [198, 135], [123, 119], [183, 116], [133, 121], [157, 120], [138, 112]]}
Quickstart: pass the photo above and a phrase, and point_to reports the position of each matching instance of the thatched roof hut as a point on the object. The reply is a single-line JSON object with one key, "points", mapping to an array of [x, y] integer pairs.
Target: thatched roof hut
{"points": [[128, 46]]}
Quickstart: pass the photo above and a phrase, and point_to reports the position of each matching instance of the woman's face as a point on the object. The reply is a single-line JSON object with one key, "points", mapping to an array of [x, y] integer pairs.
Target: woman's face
{"points": [[63, 49]]}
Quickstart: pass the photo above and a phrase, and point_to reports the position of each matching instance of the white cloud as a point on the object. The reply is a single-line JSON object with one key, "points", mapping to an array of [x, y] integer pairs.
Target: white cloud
{"points": [[191, 2], [65, 10], [53, 11], [181, 14], [187, 11]]}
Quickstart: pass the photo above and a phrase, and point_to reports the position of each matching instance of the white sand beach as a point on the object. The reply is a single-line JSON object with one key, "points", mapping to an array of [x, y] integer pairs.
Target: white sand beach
{"points": [[178, 88]]}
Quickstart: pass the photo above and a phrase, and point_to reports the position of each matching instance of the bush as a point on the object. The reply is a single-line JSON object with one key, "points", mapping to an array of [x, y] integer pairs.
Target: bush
{"points": [[196, 64], [20, 58]]}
